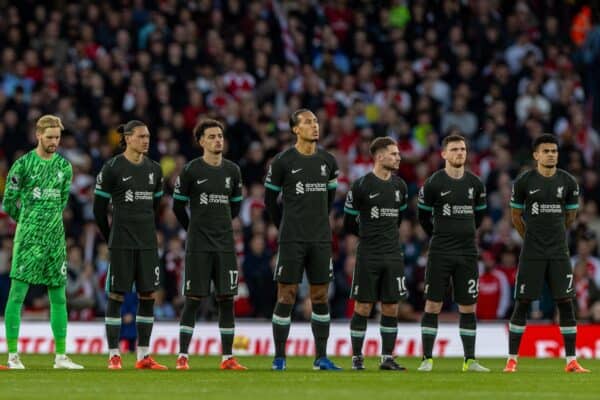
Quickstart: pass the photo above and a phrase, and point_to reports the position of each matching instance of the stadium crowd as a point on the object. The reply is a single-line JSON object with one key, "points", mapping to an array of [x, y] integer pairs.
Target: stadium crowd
{"points": [[499, 72]]}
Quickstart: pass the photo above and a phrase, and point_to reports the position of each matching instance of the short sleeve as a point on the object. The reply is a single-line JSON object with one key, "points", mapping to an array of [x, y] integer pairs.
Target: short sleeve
{"points": [[426, 200], [403, 194], [236, 190], [481, 197], [572, 195], [352, 204], [158, 189], [105, 183], [333, 174], [275, 174], [67, 178], [517, 198], [182, 186]]}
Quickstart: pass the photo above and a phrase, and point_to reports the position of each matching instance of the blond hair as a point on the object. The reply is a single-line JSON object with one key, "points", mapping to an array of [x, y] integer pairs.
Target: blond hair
{"points": [[48, 121]]}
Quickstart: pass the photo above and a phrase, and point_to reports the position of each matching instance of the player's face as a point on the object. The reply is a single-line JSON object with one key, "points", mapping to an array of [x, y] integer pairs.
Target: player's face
{"points": [[307, 127], [212, 140], [139, 140], [390, 158], [455, 154], [49, 139], [546, 155]]}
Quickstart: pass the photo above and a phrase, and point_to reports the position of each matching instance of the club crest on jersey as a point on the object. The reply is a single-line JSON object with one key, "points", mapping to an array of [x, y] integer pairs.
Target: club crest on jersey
{"points": [[559, 191], [397, 195], [228, 182], [151, 178], [323, 170], [60, 176], [471, 193]]}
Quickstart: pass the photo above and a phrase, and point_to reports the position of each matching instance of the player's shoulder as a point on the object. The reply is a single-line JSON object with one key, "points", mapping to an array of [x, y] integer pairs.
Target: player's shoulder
{"points": [[62, 161], [362, 182], [114, 161], [152, 164], [285, 155], [398, 182], [230, 165], [565, 175], [524, 176], [435, 178], [193, 163], [473, 178], [325, 155]]}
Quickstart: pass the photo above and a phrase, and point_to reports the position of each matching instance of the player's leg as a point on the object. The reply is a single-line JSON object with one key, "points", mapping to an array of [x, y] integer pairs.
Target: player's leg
{"points": [[437, 276], [226, 286], [466, 291], [12, 320], [58, 322], [528, 287], [560, 279], [391, 288], [363, 292], [319, 271], [288, 274], [196, 285], [147, 281]]}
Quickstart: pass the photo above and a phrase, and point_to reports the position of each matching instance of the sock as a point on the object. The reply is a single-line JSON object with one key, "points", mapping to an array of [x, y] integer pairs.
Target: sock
{"points": [[12, 313], [58, 317], [112, 320], [187, 323], [281, 327], [226, 326], [467, 325], [319, 322], [568, 326], [389, 331], [144, 320], [358, 329], [429, 327], [516, 327]]}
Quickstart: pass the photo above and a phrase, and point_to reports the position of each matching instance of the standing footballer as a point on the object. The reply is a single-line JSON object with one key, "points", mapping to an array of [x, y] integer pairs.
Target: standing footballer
{"points": [[451, 205], [212, 186], [306, 176], [36, 194], [543, 205], [373, 211], [133, 183]]}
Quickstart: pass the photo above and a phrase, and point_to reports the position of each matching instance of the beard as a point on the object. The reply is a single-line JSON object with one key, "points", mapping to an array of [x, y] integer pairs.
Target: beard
{"points": [[49, 149], [459, 164]]}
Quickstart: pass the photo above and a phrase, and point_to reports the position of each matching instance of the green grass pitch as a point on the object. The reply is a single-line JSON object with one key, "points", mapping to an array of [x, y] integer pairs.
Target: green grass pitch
{"points": [[536, 379]]}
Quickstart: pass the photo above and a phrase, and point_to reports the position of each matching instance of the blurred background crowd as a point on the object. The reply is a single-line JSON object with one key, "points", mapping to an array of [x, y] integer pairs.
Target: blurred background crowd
{"points": [[499, 72]]}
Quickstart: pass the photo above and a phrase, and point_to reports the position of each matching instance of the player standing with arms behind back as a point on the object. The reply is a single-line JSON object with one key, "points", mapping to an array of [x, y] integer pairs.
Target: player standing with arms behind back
{"points": [[212, 186], [37, 191], [133, 182], [373, 211], [543, 205], [307, 178], [451, 206]]}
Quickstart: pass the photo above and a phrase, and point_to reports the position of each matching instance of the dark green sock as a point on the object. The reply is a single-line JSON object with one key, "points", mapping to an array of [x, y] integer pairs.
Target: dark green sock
{"points": [[187, 323], [12, 313], [281, 327], [516, 327], [389, 331], [319, 322], [144, 320], [429, 327], [467, 325], [58, 317], [226, 325], [358, 329], [112, 320], [568, 326]]}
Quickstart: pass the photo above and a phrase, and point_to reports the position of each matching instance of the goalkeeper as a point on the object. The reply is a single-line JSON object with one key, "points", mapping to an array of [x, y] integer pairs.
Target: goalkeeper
{"points": [[36, 194]]}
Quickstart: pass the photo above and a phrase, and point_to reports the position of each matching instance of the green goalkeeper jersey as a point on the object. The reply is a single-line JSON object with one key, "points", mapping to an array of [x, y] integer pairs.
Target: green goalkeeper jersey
{"points": [[36, 194]]}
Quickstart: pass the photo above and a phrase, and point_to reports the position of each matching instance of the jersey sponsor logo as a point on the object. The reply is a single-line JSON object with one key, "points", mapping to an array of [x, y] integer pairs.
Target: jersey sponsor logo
{"points": [[445, 193], [373, 195], [471, 193], [126, 178], [299, 188], [295, 171], [129, 196], [542, 208], [201, 181], [228, 182], [37, 193], [323, 170], [534, 191], [448, 210], [151, 178], [302, 188], [377, 212], [46, 194], [203, 198], [559, 192], [206, 198], [374, 212]]}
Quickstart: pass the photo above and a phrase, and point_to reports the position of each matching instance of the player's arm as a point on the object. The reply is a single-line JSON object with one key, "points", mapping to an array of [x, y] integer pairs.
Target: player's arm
{"points": [[181, 198], [102, 195], [12, 192], [480, 204], [351, 213], [571, 202], [235, 200], [332, 183], [425, 208], [404, 204], [158, 193], [517, 205], [66, 188], [273, 186]]}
